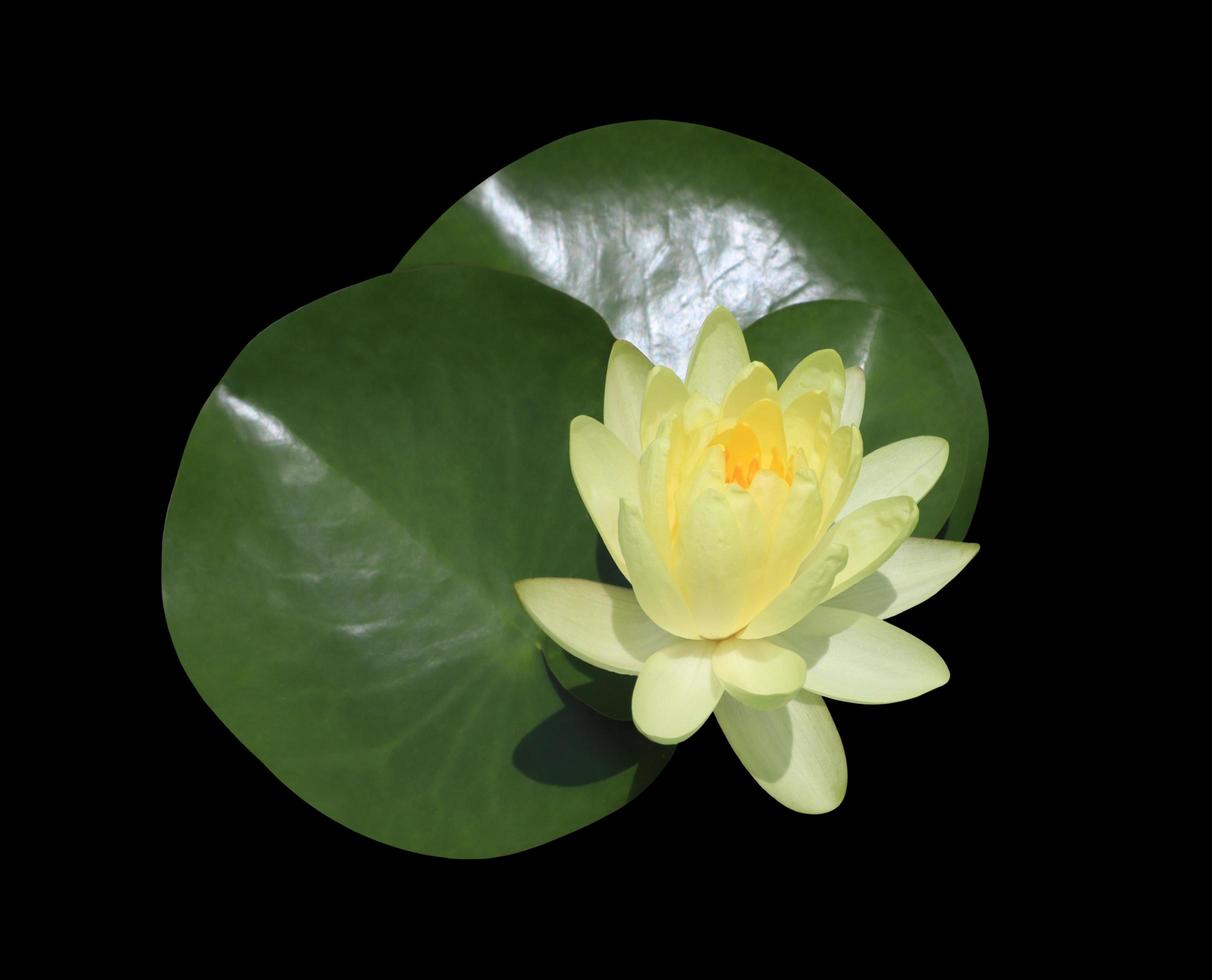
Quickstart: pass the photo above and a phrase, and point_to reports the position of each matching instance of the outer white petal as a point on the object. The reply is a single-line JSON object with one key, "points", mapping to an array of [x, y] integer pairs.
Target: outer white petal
{"points": [[676, 692], [757, 673], [605, 472], [794, 752], [856, 396], [626, 378], [871, 534], [855, 657], [908, 468], [655, 590], [601, 624], [915, 572], [719, 354], [810, 586]]}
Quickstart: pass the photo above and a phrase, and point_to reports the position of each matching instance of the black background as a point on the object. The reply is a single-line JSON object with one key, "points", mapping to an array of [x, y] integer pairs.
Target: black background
{"points": [[263, 207]]}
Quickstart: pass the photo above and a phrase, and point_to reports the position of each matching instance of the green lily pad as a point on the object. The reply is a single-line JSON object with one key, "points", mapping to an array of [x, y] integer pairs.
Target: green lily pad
{"points": [[354, 504], [918, 392], [607, 693], [655, 223]]}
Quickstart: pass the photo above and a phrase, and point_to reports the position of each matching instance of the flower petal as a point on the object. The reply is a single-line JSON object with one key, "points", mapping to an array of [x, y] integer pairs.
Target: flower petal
{"points": [[601, 624], [655, 590], [721, 559], [753, 382], [676, 692], [915, 572], [605, 472], [841, 471], [626, 379], [822, 371], [662, 453], [719, 354], [795, 534], [760, 674], [908, 468], [794, 752], [856, 396], [807, 590], [664, 394], [855, 657], [871, 534]]}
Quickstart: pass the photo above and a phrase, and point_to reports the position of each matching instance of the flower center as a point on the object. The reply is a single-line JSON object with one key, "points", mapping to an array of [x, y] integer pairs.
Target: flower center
{"points": [[743, 456]]}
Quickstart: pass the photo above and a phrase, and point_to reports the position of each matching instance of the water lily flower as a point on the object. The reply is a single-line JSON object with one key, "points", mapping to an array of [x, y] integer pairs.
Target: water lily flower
{"points": [[764, 551]]}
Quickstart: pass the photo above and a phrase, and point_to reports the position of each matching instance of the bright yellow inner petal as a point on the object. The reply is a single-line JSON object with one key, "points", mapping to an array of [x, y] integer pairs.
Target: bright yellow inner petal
{"points": [[744, 456]]}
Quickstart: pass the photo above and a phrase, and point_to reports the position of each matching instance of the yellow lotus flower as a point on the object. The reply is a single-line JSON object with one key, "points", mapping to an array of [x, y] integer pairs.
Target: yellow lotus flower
{"points": [[764, 550]]}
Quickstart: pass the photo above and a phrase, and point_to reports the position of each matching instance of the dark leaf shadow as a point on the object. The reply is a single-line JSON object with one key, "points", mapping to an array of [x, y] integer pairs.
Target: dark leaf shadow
{"points": [[576, 746]]}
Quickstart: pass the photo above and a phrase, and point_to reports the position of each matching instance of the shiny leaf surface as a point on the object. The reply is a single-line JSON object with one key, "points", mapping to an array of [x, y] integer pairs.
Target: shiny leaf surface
{"points": [[355, 502], [655, 223]]}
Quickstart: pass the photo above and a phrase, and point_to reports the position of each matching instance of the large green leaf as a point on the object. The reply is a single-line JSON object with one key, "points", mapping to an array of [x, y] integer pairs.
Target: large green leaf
{"points": [[655, 223], [354, 504]]}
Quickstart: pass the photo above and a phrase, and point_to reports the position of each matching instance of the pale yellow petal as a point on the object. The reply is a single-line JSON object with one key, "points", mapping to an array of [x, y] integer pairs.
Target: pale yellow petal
{"points": [[719, 353], [770, 491], [721, 552], [871, 534], [856, 396], [664, 394], [822, 371], [809, 588], [605, 472], [626, 379], [842, 471], [854, 657], [707, 475], [661, 455], [808, 423], [655, 590], [794, 752], [915, 572], [601, 624], [676, 692], [764, 419], [758, 674], [698, 412], [753, 382], [908, 468], [797, 530]]}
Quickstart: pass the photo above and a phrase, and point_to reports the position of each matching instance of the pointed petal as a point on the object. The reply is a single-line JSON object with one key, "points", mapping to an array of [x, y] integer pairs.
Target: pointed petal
{"points": [[664, 394], [676, 692], [601, 624], [655, 590], [811, 585], [908, 468], [797, 530], [915, 572], [655, 464], [764, 419], [719, 354], [626, 379], [722, 548], [794, 752], [759, 674], [808, 423], [842, 471], [753, 382], [854, 657], [822, 371], [856, 395], [605, 472], [871, 534]]}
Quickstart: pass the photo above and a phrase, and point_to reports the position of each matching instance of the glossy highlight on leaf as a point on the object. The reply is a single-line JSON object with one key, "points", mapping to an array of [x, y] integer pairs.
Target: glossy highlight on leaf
{"points": [[654, 224], [354, 504]]}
